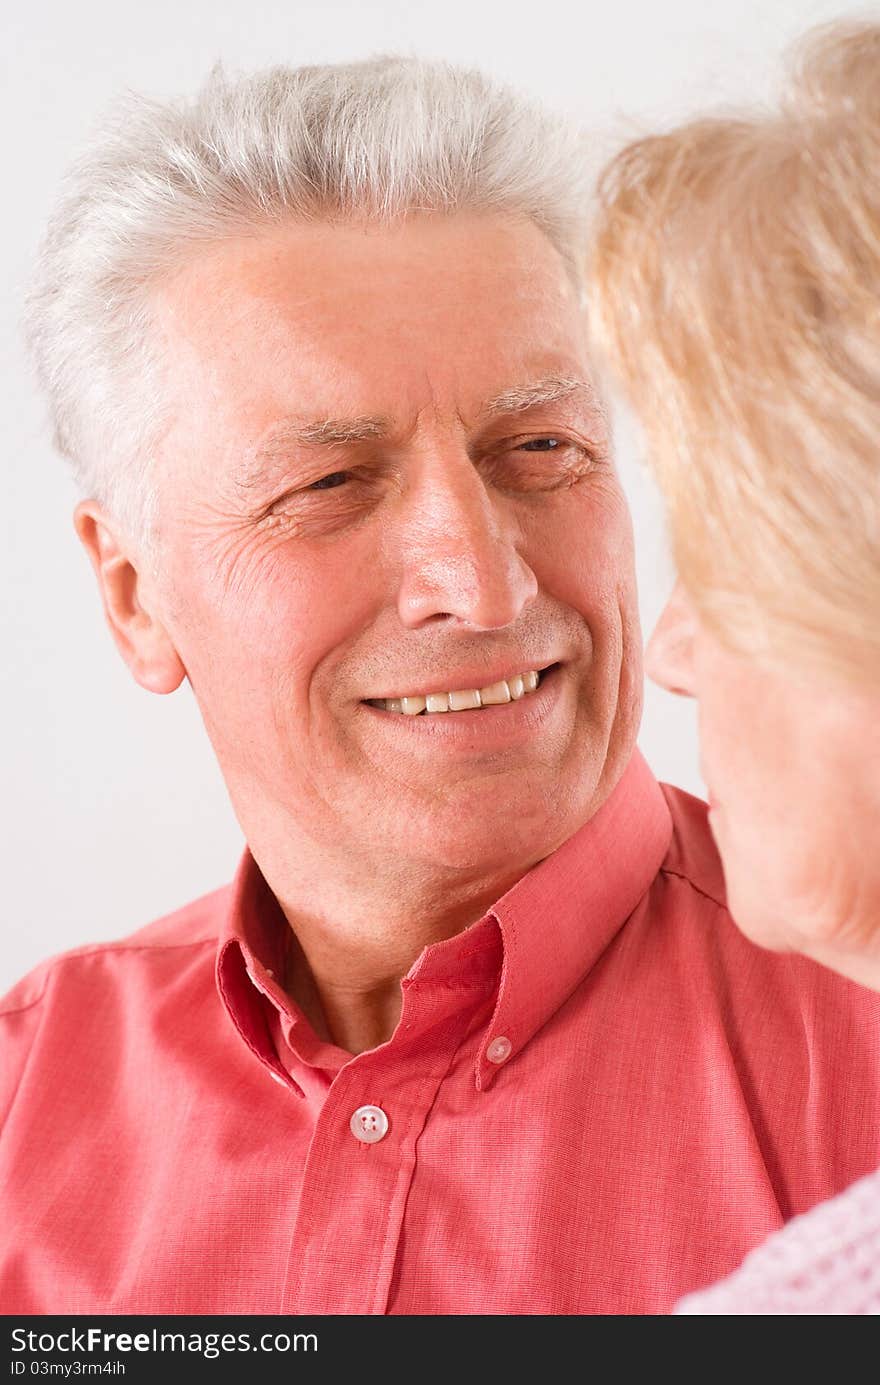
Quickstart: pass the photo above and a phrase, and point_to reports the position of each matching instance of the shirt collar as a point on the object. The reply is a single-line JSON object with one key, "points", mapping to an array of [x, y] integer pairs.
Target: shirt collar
{"points": [[249, 959], [559, 918], [554, 923]]}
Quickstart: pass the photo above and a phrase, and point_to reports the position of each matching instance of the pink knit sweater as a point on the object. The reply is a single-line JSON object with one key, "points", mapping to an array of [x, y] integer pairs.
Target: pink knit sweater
{"points": [[824, 1262]]}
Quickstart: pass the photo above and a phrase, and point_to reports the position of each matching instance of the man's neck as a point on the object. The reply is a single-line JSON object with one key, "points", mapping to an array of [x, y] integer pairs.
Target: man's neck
{"points": [[351, 942]]}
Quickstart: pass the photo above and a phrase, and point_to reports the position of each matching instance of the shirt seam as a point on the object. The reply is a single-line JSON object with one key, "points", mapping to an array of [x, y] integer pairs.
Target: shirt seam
{"points": [[680, 875], [452, 983], [27, 1005], [54, 963]]}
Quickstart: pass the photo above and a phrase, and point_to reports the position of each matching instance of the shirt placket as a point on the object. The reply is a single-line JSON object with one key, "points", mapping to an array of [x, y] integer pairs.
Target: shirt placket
{"points": [[363, 1155]]}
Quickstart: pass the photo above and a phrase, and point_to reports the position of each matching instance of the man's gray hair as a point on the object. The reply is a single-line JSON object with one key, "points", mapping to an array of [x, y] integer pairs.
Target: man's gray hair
{"points": [[366, 140]]}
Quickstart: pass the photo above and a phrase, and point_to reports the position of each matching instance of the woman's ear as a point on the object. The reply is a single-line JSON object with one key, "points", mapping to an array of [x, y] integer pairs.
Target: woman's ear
{"points": [[669, 657]]}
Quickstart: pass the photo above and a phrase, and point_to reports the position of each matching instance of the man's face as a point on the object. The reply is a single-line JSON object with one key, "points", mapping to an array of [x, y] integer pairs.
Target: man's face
{"points": [[384, 480]]}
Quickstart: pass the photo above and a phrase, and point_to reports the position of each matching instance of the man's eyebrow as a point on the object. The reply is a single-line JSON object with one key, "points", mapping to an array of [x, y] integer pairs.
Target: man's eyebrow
{"points": [[274, 447], [551, 390]]}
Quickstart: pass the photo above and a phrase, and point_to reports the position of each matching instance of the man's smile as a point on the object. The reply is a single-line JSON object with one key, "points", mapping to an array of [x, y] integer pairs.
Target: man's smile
{"points": [[496, 693], [506, 723]]}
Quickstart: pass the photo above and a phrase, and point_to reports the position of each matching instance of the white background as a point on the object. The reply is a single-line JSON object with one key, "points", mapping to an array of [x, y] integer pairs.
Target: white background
{"points": [[114, 810]]}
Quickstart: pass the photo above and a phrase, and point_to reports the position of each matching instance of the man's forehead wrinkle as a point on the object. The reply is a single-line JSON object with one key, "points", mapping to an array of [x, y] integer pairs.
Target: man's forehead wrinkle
{"points": [[552, 389]]}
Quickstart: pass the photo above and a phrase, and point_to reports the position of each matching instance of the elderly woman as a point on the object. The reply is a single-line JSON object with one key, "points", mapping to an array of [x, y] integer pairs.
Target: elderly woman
{"points": [[736, 299]]}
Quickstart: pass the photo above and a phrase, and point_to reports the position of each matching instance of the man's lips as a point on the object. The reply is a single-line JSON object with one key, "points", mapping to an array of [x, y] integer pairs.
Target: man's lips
{"points": [[480, 730], [463, 680]]}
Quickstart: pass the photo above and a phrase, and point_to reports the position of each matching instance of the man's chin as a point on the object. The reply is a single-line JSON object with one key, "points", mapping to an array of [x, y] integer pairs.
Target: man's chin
{"points": [[487, 829]]}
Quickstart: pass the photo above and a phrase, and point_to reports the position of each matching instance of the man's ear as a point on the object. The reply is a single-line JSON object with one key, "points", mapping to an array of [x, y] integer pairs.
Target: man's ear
{"points": [[125, 590]]}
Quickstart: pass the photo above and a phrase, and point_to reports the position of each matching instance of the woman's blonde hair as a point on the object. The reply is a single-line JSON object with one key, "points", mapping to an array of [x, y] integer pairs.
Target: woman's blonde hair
{"points": [[735, 295]]}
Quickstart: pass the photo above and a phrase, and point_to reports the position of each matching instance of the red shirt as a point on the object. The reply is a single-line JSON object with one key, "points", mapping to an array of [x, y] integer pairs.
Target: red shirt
{"points": [[598, 1098]]}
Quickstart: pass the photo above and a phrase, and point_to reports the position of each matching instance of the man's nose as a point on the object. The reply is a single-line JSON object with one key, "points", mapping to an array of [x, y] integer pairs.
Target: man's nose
{"points": [[460, 557], [669, 657]]}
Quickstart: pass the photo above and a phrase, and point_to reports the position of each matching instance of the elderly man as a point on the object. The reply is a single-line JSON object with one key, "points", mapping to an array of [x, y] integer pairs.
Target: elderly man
{"points": [[471, 1031]]}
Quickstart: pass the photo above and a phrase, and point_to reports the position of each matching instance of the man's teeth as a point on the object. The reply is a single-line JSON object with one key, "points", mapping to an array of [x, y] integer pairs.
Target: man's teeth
{"points": [[508, 690]]}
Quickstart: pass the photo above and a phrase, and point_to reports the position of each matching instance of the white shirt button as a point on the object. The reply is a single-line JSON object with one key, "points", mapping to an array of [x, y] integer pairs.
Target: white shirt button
{"points": [[499, 1049], [369, 1124]]}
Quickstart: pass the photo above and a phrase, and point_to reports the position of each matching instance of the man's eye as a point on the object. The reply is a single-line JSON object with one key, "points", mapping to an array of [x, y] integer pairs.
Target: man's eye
{"points": [[328, 483], [540, 445], [547, 463]]}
